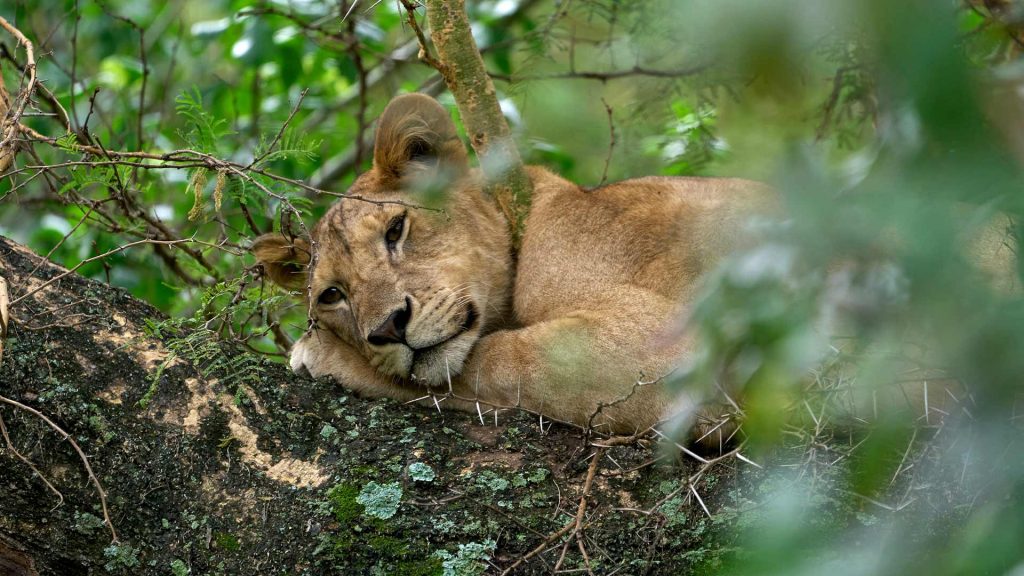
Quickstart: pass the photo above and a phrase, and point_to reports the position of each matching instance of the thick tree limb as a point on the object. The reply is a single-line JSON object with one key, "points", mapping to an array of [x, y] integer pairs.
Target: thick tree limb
{"points": [[245, 466]]}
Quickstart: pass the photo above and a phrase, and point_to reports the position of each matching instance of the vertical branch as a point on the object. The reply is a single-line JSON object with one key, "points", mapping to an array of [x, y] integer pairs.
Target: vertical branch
{"points": [[145, 71], [463, 70], [142, 91], [6, 156], [74, 68], [611, 141], [12, 112]]}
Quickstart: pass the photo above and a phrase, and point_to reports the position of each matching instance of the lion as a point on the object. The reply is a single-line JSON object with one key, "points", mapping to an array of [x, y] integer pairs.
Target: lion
{"points": [[580, 326]]}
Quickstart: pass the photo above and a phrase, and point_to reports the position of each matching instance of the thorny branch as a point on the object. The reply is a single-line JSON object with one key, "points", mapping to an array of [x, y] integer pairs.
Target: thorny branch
{"points": [[123, 211], [424, 53], [611, 142], [73, 269]]}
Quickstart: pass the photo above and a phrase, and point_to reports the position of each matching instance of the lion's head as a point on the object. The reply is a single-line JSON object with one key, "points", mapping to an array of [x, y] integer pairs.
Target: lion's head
{"points": [[410, 288]]}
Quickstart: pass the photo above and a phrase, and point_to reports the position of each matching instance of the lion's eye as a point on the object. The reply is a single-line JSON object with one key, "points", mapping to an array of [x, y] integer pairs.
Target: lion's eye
{"points": [[331, 296], [394, 233]]}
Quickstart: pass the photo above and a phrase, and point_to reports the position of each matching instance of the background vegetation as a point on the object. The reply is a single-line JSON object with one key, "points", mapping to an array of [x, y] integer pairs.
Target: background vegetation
{"points": [[892, 130]]}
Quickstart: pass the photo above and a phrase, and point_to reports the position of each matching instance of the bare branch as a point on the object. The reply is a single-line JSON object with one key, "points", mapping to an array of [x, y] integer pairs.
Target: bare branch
{"points": [[611, 142], [603, 76], [280, 132], [12, 116], [106, 254], [424, 53]]}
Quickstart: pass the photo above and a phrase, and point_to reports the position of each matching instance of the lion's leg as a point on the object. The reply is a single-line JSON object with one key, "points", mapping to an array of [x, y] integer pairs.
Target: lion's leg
{"points": [[589, 368]]}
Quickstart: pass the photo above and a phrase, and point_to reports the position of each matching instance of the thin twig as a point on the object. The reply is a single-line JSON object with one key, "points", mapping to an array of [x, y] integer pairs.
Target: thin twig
{"points": [[280, 132], [424, 53], [81, 455], [603, 76], [106, 254], [554, 537], [20, 456], [611, 142]]}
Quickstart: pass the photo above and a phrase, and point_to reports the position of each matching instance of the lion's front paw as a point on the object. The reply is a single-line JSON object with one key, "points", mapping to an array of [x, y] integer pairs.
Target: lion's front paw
{"points": [[307, 355], [298, 358], [321, 353]]}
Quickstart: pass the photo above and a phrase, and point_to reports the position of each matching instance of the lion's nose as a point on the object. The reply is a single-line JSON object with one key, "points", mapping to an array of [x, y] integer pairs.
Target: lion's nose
{"points": [[392, 331]]}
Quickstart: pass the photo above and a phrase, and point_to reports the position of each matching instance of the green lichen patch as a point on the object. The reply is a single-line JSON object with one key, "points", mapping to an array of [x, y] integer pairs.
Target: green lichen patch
{"points": [[470, 559], [179, 568], [121, 557], [421, 472], [380, 500]]}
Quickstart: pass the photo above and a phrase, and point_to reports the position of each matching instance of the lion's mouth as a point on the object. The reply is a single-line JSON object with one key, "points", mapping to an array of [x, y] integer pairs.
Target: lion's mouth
{"points": [[470, 322]]}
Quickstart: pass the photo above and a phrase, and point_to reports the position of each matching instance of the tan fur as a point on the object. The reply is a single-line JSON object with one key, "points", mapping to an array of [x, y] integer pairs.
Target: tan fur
{"points": [[576, 331], [291, 258], [602, 280]]}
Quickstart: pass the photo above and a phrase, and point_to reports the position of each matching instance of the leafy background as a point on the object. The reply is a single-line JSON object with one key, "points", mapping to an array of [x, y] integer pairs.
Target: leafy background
{"points": [[891, 129]]}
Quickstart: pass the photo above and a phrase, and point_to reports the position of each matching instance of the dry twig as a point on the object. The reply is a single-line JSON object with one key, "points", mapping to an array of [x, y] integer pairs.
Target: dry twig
{"points": [[611, 142], [81, 455], [12, 118], [424, 53]]}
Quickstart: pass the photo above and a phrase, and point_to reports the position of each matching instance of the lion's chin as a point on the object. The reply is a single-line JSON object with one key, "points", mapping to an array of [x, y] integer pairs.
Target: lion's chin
{"points": [[436, 366]]}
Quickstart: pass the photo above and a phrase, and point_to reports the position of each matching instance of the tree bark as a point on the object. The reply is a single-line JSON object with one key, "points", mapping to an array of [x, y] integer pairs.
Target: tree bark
{"points": [[254, 470], [463, 70]]}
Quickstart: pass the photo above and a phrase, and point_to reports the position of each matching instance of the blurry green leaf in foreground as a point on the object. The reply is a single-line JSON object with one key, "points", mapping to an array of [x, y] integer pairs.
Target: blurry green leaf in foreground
{"points": [[897, 279]]}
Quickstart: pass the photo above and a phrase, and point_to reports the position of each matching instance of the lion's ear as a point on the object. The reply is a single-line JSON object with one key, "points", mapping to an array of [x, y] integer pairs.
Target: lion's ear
{"points": [[284, 261], [415, 133]]}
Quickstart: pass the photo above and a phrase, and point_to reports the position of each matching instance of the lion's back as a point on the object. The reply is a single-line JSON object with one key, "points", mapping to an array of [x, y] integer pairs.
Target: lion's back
{"points": [[658, 234]]}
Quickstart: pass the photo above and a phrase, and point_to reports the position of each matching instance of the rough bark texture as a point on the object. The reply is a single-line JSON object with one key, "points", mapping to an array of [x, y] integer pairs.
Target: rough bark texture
{"points": [[256, 471], [464, 73]]}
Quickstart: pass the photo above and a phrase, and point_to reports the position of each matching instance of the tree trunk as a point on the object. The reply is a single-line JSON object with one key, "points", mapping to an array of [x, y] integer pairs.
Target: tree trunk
{"points": [[253, 470], [464, 73]]}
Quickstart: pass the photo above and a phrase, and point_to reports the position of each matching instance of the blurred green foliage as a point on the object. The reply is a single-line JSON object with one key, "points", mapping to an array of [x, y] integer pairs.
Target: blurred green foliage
{"points": [[892, 131]]}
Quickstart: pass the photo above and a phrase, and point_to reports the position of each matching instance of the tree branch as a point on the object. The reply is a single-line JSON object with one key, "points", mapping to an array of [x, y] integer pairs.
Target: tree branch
{"points": [[12, 116], [467, 79], [603, 76]]}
